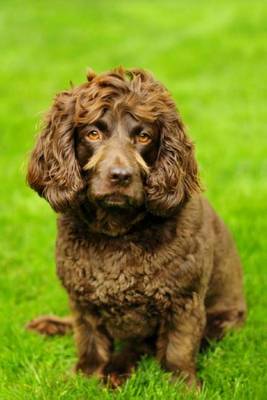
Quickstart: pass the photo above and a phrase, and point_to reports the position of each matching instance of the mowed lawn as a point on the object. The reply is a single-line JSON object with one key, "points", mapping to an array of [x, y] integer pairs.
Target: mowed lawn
{"points": [[213, 58]]}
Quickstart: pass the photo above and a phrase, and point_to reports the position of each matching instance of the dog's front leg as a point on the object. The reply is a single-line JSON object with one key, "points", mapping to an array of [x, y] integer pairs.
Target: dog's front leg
{"points": [[179, 339], [93, 343]]}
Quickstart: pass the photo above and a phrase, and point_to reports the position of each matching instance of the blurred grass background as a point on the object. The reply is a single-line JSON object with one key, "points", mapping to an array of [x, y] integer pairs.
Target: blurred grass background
{"points": [[212, 55]]}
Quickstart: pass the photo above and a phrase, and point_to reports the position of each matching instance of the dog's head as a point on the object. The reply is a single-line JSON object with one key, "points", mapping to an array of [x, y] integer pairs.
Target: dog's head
{"points": [[119, 139]]}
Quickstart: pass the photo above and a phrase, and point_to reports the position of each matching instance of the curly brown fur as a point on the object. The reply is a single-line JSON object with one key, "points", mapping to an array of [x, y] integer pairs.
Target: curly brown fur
{"points": [[142, 255]]}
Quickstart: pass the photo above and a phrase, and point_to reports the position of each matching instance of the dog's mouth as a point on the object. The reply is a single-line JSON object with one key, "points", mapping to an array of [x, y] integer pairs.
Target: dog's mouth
{"points": [[115, 201]]}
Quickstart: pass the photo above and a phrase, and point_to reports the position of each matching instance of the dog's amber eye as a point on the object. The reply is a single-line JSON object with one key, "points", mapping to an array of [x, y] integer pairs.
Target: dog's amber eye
{"points": [[94, 135], [143, 138]]}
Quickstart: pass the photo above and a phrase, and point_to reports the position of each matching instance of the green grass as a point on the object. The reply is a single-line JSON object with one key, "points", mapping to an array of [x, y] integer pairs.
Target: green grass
{"points": [[212, 56]]}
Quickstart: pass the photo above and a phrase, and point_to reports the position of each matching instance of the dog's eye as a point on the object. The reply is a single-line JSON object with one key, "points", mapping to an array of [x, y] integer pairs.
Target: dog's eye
{"points": [[143, 138], [94, 135]]}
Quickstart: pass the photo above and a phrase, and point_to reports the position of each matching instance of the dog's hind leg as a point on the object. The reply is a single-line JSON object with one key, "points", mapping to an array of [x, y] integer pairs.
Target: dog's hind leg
{"points": [[225, 303], [51, 325]]}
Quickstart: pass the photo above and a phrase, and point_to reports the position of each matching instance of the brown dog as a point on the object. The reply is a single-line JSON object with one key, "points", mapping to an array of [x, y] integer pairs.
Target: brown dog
{"points": [[142, 255]]}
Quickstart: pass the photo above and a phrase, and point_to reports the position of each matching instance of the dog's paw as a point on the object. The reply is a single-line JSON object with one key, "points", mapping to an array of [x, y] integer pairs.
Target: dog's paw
{"points": [[190, 380], [88, 370], [50, 325], [115, 380]]}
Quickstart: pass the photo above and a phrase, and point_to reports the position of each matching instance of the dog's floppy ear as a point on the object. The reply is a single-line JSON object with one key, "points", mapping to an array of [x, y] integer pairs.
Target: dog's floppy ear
{"points": [[53, 170], [174, 177]]}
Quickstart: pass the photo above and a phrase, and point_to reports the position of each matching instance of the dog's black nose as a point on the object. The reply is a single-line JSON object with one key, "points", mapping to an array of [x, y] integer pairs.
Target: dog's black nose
{"points": [[121, 175]]}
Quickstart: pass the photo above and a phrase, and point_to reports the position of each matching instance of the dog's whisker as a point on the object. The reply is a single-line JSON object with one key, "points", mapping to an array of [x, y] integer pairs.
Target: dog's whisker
{"points": [[94, 160], [142, 164]]}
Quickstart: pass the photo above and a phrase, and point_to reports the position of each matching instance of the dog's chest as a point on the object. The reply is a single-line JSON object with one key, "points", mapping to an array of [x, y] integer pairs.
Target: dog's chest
{"points": [[116, 280]]}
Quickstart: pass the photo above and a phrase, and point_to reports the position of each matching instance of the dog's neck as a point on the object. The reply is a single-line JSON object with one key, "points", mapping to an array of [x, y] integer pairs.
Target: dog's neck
{"points": [[111, 222]]}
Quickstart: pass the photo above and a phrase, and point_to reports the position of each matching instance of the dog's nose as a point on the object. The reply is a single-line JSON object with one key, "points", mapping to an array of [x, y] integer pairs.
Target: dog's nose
{"points": [[121, 176]]}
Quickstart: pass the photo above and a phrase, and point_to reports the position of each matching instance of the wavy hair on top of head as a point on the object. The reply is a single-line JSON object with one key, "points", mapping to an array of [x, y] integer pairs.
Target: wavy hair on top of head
{"points": [[54, 171]]}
